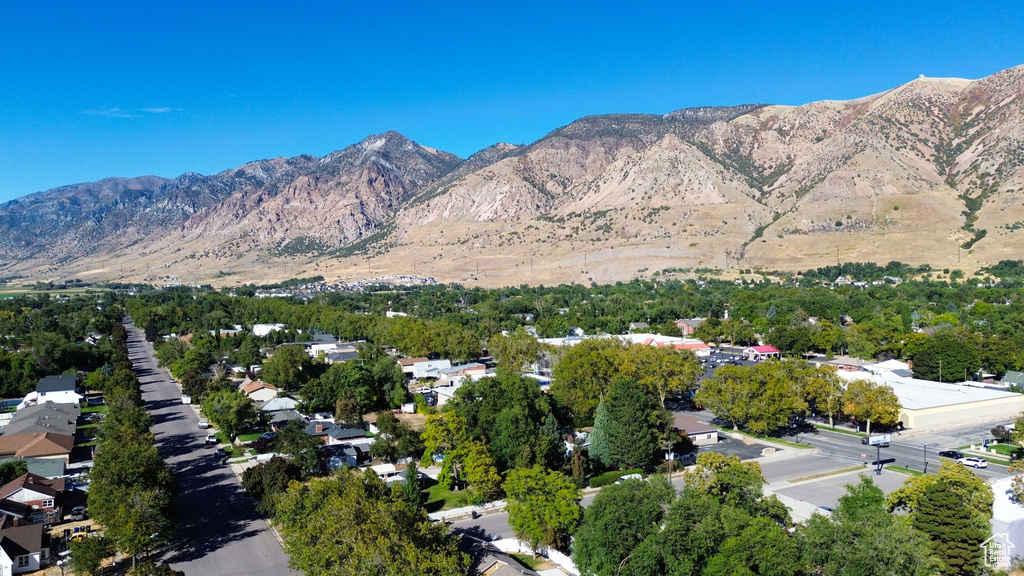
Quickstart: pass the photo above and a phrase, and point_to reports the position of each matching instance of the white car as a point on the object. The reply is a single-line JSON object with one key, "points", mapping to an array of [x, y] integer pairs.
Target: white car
{"points": [[973, 462]]}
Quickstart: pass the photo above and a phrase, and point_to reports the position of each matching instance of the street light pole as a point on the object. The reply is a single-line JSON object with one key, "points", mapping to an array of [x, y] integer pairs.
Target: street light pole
{"points": [[925, 458]]}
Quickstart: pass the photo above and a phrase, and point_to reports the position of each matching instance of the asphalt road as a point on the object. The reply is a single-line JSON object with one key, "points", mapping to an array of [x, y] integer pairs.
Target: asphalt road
{"points": [[221, 533]]}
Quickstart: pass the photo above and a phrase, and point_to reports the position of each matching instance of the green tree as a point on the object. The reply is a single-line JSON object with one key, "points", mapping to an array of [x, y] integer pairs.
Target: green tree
{"points": [[515, 351], [543, 507], [948, 355], [863, 539], [395, 439], [583, 375], [866, 401], [823, 392], [761, 397], [636, 423], [11, 469], [267, 480], [88, 553], [352, 524], [955, 533], [289, 368], [303, 449], [229, 410], [620, 518], [972, 491]]}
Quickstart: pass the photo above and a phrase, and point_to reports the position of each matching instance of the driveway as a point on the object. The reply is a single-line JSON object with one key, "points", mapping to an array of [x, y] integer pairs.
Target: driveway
{"points": [[221, 532]]}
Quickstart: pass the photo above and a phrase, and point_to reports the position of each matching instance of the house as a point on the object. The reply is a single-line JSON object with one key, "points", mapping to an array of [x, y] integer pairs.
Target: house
{"points": [[341, 356], [698, 433], [23, 549], [264, 329], [341, 455], [258, 390], [49, 448], [42, 495], [56, 389], [14, 514], [333, 434], [457, 374], [279, 403], [43, 418], [759, 353], [688, 326], [279, 418], [407, 363], [638, 326], [1013, 378], [488, 560], [429, 368]]}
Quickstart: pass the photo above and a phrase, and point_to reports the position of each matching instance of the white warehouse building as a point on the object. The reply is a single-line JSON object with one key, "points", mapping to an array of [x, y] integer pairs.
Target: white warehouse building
{"points": [[931, 405]]}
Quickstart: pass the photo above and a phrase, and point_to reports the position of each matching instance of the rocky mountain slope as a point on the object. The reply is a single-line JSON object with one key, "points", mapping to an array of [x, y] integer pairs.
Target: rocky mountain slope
{"points": [[930, 171]]}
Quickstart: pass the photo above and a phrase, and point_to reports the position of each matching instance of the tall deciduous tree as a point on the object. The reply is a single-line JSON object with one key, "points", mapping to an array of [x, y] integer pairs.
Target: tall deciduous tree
{"points": [[543, 506], [866, 401], [517, 350], [352, 524], [618, 520], [289, 368], [972, 491], [823, 391], [761, 397], [229, 410], [863, 539]]}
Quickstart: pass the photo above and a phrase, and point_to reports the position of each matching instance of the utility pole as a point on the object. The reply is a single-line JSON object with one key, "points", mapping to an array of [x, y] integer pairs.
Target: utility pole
{"points": [[940, 370], [925, 458]]}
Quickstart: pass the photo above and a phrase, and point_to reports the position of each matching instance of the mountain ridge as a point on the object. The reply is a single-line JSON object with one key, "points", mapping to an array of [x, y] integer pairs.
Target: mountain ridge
{"points": [[929, 170]]}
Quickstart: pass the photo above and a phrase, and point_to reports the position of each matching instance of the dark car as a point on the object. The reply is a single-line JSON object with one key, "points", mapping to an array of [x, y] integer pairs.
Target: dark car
{"points": [[951, 454], [882, 444]]}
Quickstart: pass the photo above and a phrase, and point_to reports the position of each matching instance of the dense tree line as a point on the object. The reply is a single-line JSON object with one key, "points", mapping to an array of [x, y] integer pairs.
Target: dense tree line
{"points": [[132, 493]]}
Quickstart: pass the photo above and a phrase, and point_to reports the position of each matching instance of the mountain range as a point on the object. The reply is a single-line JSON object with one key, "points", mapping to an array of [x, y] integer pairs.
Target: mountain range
{"points": [[927, 172]]}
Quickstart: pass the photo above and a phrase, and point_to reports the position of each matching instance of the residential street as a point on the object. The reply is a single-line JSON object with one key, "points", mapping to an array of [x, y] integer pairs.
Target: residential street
{"points": [[221, 532]]}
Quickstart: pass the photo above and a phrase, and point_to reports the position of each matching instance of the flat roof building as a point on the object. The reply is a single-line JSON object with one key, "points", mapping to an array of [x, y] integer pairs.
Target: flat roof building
{"points": [[928, 405]]}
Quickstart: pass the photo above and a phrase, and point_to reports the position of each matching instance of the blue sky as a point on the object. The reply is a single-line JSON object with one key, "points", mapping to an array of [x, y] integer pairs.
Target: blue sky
{"points": [[89, 90]]}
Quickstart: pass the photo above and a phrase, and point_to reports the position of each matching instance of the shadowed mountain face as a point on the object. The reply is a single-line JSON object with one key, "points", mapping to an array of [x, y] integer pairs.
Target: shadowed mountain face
{"points": [[930, 171]]}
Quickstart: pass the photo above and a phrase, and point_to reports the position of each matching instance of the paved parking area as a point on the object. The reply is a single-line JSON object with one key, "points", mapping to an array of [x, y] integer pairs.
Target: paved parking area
{"points": [[734, 447], [825, 492]]}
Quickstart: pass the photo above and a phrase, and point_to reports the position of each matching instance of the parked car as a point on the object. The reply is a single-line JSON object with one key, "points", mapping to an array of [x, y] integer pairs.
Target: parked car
{"points": [[951, 454], [219, 454], [95, 401], [629, 477], [77, 513], [973, 462], [212, 439], [268, 435], [204, 424]]}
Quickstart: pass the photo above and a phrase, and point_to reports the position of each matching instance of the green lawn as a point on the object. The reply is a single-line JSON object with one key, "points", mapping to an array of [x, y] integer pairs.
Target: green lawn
{"points": [[439, 497], [1005, 449], [249, 437], [840, 430], [529, 561], [102, 409], [902, 470]]}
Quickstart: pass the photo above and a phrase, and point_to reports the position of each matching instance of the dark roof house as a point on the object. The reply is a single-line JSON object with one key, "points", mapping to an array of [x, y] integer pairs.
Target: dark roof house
{"points": [[62, 383]]}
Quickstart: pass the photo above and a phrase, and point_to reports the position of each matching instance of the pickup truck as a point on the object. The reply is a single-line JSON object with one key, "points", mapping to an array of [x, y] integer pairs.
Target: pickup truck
{"points": [[203, 424]]}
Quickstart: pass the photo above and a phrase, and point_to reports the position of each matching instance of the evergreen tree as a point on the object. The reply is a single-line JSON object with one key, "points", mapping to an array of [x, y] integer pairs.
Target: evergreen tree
{"points": [[599, 449], [629, 434], [955, 535]]}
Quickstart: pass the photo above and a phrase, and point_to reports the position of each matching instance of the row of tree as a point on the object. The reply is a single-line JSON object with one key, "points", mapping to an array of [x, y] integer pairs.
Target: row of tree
{"points": [[764, 397]]}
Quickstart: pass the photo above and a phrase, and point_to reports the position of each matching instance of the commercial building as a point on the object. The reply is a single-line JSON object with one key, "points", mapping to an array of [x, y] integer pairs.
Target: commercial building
{"points": [[928, 405]]}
